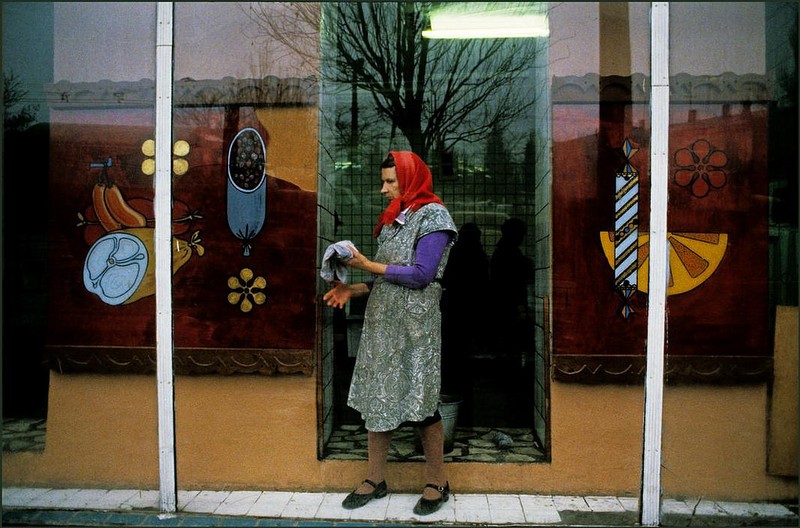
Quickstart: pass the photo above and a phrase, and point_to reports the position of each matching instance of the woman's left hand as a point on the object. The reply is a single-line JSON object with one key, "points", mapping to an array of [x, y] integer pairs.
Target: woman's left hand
{"points": [[359, 261]]}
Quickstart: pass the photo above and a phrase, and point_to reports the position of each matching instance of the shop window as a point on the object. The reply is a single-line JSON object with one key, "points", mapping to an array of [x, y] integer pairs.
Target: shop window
{"points": [[476, 110]]}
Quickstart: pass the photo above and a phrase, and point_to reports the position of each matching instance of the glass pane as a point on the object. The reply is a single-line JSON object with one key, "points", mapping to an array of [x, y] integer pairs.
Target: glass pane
{"points": [[730, 405], [600, 75], [601, 190], [475, 109], [244, 188], [78, 287], [101, 109]]}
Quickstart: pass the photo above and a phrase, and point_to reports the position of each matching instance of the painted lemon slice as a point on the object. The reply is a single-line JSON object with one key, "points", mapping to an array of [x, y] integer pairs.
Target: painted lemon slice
{"points": [[693, 258]]}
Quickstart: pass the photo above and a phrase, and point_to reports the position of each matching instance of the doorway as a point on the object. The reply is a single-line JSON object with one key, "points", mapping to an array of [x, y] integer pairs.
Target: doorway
{"points": [[477, 113]]}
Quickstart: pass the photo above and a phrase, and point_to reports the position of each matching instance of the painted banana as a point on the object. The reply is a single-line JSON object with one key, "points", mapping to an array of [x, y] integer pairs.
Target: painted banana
{"points": [[122, 210], [112, 210], [105, 217]]}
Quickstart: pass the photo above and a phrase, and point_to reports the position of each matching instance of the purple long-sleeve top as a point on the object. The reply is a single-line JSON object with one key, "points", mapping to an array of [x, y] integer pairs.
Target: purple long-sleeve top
{"points": [[429, 253]]}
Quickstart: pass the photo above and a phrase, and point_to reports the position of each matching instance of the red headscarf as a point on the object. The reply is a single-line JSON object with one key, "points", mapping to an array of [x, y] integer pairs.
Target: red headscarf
{"points": [[416, 187]]}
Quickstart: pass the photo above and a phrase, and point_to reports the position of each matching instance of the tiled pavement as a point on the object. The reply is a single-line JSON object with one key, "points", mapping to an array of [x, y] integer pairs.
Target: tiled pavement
{"points": [[92, 507]]}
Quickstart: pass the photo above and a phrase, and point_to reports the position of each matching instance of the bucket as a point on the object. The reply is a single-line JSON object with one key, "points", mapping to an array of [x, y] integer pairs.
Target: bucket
{"points": [[448, 408]]}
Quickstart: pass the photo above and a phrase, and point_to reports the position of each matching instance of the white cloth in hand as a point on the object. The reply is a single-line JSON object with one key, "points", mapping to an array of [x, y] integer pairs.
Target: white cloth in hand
{"points": [[332, 266]]}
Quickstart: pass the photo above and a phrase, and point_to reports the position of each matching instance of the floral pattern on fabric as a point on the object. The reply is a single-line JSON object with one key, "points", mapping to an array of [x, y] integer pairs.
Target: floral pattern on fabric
{"points": [[397, 374]]}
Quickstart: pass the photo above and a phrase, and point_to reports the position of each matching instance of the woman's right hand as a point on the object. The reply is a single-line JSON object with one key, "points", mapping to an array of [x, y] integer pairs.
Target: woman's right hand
{"points": [[339, 295]]}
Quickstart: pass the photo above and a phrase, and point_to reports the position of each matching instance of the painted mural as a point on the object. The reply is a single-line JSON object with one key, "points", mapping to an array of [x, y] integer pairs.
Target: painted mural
{"points": [[120, 264], [693, 257], [717, 238], [243, 280]]}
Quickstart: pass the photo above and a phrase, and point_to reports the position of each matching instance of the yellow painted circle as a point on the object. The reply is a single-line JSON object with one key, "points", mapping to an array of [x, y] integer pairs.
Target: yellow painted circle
{"points": [[149, 166], [149, 148], [180, 166], [180, 148]]}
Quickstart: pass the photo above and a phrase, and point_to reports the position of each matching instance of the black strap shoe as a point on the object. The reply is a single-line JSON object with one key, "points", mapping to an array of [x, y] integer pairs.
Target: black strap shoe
{"points": [[356, 500], [428, 506]]}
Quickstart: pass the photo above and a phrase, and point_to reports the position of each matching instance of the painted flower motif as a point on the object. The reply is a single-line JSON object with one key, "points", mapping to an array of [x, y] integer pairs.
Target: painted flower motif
{"points": [[246, 290], [179, 165], [700, 168]]}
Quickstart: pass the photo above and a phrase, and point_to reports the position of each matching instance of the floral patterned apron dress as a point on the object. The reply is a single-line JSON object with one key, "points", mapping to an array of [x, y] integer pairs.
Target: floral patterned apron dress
{"points": [[397, 374]]}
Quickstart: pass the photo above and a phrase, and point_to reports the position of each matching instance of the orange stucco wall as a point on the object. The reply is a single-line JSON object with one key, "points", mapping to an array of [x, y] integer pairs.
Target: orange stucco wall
{"points": [[254, 432]]}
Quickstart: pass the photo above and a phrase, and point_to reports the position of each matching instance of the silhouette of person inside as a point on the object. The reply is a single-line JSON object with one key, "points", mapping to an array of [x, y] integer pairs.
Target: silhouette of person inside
{"points": [[463, 319], [510, 273]]}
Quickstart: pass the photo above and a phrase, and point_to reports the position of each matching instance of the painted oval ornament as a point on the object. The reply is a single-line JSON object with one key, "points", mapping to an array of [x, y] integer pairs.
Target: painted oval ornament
{"points": [[247, 188]]}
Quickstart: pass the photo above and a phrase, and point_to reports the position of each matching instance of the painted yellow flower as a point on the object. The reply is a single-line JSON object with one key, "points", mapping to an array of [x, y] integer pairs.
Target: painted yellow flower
{"points": [[247, 290], [180, 149]]}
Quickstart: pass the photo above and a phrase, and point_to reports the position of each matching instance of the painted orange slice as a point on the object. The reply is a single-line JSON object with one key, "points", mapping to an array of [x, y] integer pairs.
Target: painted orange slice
{"points": [[693, 258]]}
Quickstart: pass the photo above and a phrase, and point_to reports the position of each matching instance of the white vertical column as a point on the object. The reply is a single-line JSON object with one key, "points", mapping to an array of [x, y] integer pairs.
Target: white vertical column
{"points": [[163, 249], [657, 289]]}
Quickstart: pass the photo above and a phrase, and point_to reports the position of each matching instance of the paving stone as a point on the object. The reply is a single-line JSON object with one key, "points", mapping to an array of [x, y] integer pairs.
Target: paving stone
{"points": [[504, 502], [238, 503], [676, 513], [539, 509], [115, 499], [583, 518], [570, 503], [302, 505], [271, 504], [471, 516], [21, 497], [144, 499], [706, 508], [52, 498], [470, 501], [755, 509], [185, 497], [513, 516], [604, 504], [84, 499], [674, 506], [206, 501]]}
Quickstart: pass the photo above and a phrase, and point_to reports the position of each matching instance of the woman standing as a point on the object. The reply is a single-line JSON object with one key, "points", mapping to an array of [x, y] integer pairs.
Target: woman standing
{"points": [[397, 376]]}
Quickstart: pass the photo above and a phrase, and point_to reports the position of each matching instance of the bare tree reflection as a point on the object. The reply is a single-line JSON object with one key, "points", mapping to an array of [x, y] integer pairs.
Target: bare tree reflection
{"points": [[436, 93], [294, 26]]}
